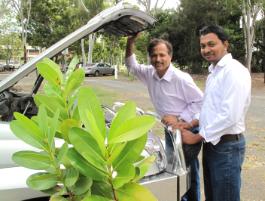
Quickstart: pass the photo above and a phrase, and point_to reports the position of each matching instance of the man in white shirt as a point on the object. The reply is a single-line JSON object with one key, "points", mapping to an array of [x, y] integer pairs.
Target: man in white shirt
{"points": [[222, 118], [173, 94]]}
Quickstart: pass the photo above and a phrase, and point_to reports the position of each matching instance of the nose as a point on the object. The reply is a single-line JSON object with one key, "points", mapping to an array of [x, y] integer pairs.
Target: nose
{"points": [[158, 58], [205, 50]]}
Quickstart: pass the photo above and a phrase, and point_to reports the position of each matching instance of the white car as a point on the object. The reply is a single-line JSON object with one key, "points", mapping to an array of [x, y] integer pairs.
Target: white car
{"points": [[97, 69], [168, 182]]}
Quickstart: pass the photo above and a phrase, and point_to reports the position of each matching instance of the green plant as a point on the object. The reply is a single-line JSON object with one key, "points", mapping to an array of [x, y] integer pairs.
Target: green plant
{"points": [[92, 162]]}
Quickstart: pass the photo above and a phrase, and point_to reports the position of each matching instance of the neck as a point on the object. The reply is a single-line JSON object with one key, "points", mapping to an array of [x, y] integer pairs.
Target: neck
{"points": [[161, 73], [214, 63]]}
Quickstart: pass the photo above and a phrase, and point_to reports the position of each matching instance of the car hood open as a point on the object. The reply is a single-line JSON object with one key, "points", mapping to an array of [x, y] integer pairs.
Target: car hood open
{"points": [[122, 19]]}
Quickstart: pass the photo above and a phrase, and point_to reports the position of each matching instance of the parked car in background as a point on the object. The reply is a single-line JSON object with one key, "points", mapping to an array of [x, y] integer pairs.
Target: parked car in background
{"points": [[97, 69], [7, 67]]}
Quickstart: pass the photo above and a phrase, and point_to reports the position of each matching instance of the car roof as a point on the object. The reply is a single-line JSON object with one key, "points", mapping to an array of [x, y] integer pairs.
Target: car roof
{"points": [[121, 20]]}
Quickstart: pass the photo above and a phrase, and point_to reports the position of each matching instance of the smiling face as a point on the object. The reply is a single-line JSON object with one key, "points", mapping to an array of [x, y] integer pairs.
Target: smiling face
{"points": [[212, 48], [160, 58]]}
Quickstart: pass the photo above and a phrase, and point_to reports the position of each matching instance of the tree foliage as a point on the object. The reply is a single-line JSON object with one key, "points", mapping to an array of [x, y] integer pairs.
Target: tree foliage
{"points": [[51, 21], [250, 11], [181, 29]]}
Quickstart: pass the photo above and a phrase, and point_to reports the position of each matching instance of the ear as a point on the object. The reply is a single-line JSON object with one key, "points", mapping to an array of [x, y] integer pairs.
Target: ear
{"points": [[226, 44]]}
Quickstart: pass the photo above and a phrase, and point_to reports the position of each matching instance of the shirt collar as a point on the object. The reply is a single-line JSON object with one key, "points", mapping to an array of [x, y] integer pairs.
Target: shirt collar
{"points": [[167, 76], [222, 63]]}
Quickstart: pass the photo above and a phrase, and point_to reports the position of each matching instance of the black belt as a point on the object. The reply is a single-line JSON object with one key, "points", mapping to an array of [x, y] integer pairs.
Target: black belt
{"points": [[230, 137]]}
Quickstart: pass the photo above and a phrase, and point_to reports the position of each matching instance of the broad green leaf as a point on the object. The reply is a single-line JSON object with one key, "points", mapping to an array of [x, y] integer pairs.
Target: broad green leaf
{"points": [[135, 192], [96, 198], [143, 167], [50, 71], [32, 160], [92, 128], [75, 113], [132, 129], [87, 100], [124, 175], [126, 112], [103, 189], [52, 104], [57, 198], [53, 128], [71, 176], [75, 80], [42, 181], [116, 149], [65, 127], [71, 67], [51, 90], [73, 63], [62, 152], [43, 121], [27, 130], [87, 146], [82, 185], [130, 153], [56, 190], [84, 167]]}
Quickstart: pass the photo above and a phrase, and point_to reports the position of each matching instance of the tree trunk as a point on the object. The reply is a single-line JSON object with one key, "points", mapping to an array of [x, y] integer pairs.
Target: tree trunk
{"points": [[25, 54], [83, 51], [92, 38]]}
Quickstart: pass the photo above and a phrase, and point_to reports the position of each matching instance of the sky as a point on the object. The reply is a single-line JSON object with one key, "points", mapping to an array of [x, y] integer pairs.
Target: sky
{"points": [[168, 4]]}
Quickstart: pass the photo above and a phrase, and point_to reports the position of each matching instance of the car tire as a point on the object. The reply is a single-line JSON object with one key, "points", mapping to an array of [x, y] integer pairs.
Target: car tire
{"points": [[112, 73], [97, 73]]}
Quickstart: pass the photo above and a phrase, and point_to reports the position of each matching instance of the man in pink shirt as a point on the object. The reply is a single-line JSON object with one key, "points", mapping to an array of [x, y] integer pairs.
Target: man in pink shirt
{"points": [[175, 96]]}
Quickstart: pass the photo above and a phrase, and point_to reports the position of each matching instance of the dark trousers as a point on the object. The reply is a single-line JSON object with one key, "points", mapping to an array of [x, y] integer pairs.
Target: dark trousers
{"points": [[222, 170]]}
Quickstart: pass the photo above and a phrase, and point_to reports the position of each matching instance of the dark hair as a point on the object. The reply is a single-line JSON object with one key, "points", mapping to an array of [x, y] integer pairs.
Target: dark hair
{"points": [[154, 42], [219, 31]]}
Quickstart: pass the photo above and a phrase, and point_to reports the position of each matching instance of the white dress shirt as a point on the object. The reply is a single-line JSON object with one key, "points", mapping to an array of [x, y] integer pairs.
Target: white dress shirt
{"points": [[226, 100], [175, 93]]}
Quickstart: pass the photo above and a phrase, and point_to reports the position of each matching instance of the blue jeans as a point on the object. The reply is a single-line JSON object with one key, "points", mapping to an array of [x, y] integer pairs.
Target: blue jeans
{"points": [[193, 194], [222, 170]]}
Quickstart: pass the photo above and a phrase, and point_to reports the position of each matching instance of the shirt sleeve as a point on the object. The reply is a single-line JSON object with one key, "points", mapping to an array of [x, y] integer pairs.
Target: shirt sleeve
{"points": [[139, 70], [235, 100], [193, 97]]}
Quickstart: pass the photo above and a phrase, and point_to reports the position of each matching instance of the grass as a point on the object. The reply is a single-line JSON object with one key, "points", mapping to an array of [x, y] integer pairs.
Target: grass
{"points": [[106, 96]]}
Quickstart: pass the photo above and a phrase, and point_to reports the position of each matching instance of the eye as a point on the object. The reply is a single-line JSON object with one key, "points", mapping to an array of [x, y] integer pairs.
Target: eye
{"points": [[211, 44], [202, 46]]}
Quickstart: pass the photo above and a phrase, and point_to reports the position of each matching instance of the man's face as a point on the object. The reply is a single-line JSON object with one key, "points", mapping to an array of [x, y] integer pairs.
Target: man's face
{"points": [[160, 59], [212, 48]]}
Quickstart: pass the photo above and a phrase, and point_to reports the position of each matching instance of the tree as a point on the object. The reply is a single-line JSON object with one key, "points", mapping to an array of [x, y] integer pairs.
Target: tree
{"points": [[10, 42], [91, 8], [10, 47], [51, 21], [250, 11], [258, 63], [3, 8], [181, 29], [23, 8], [147, 4]]}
